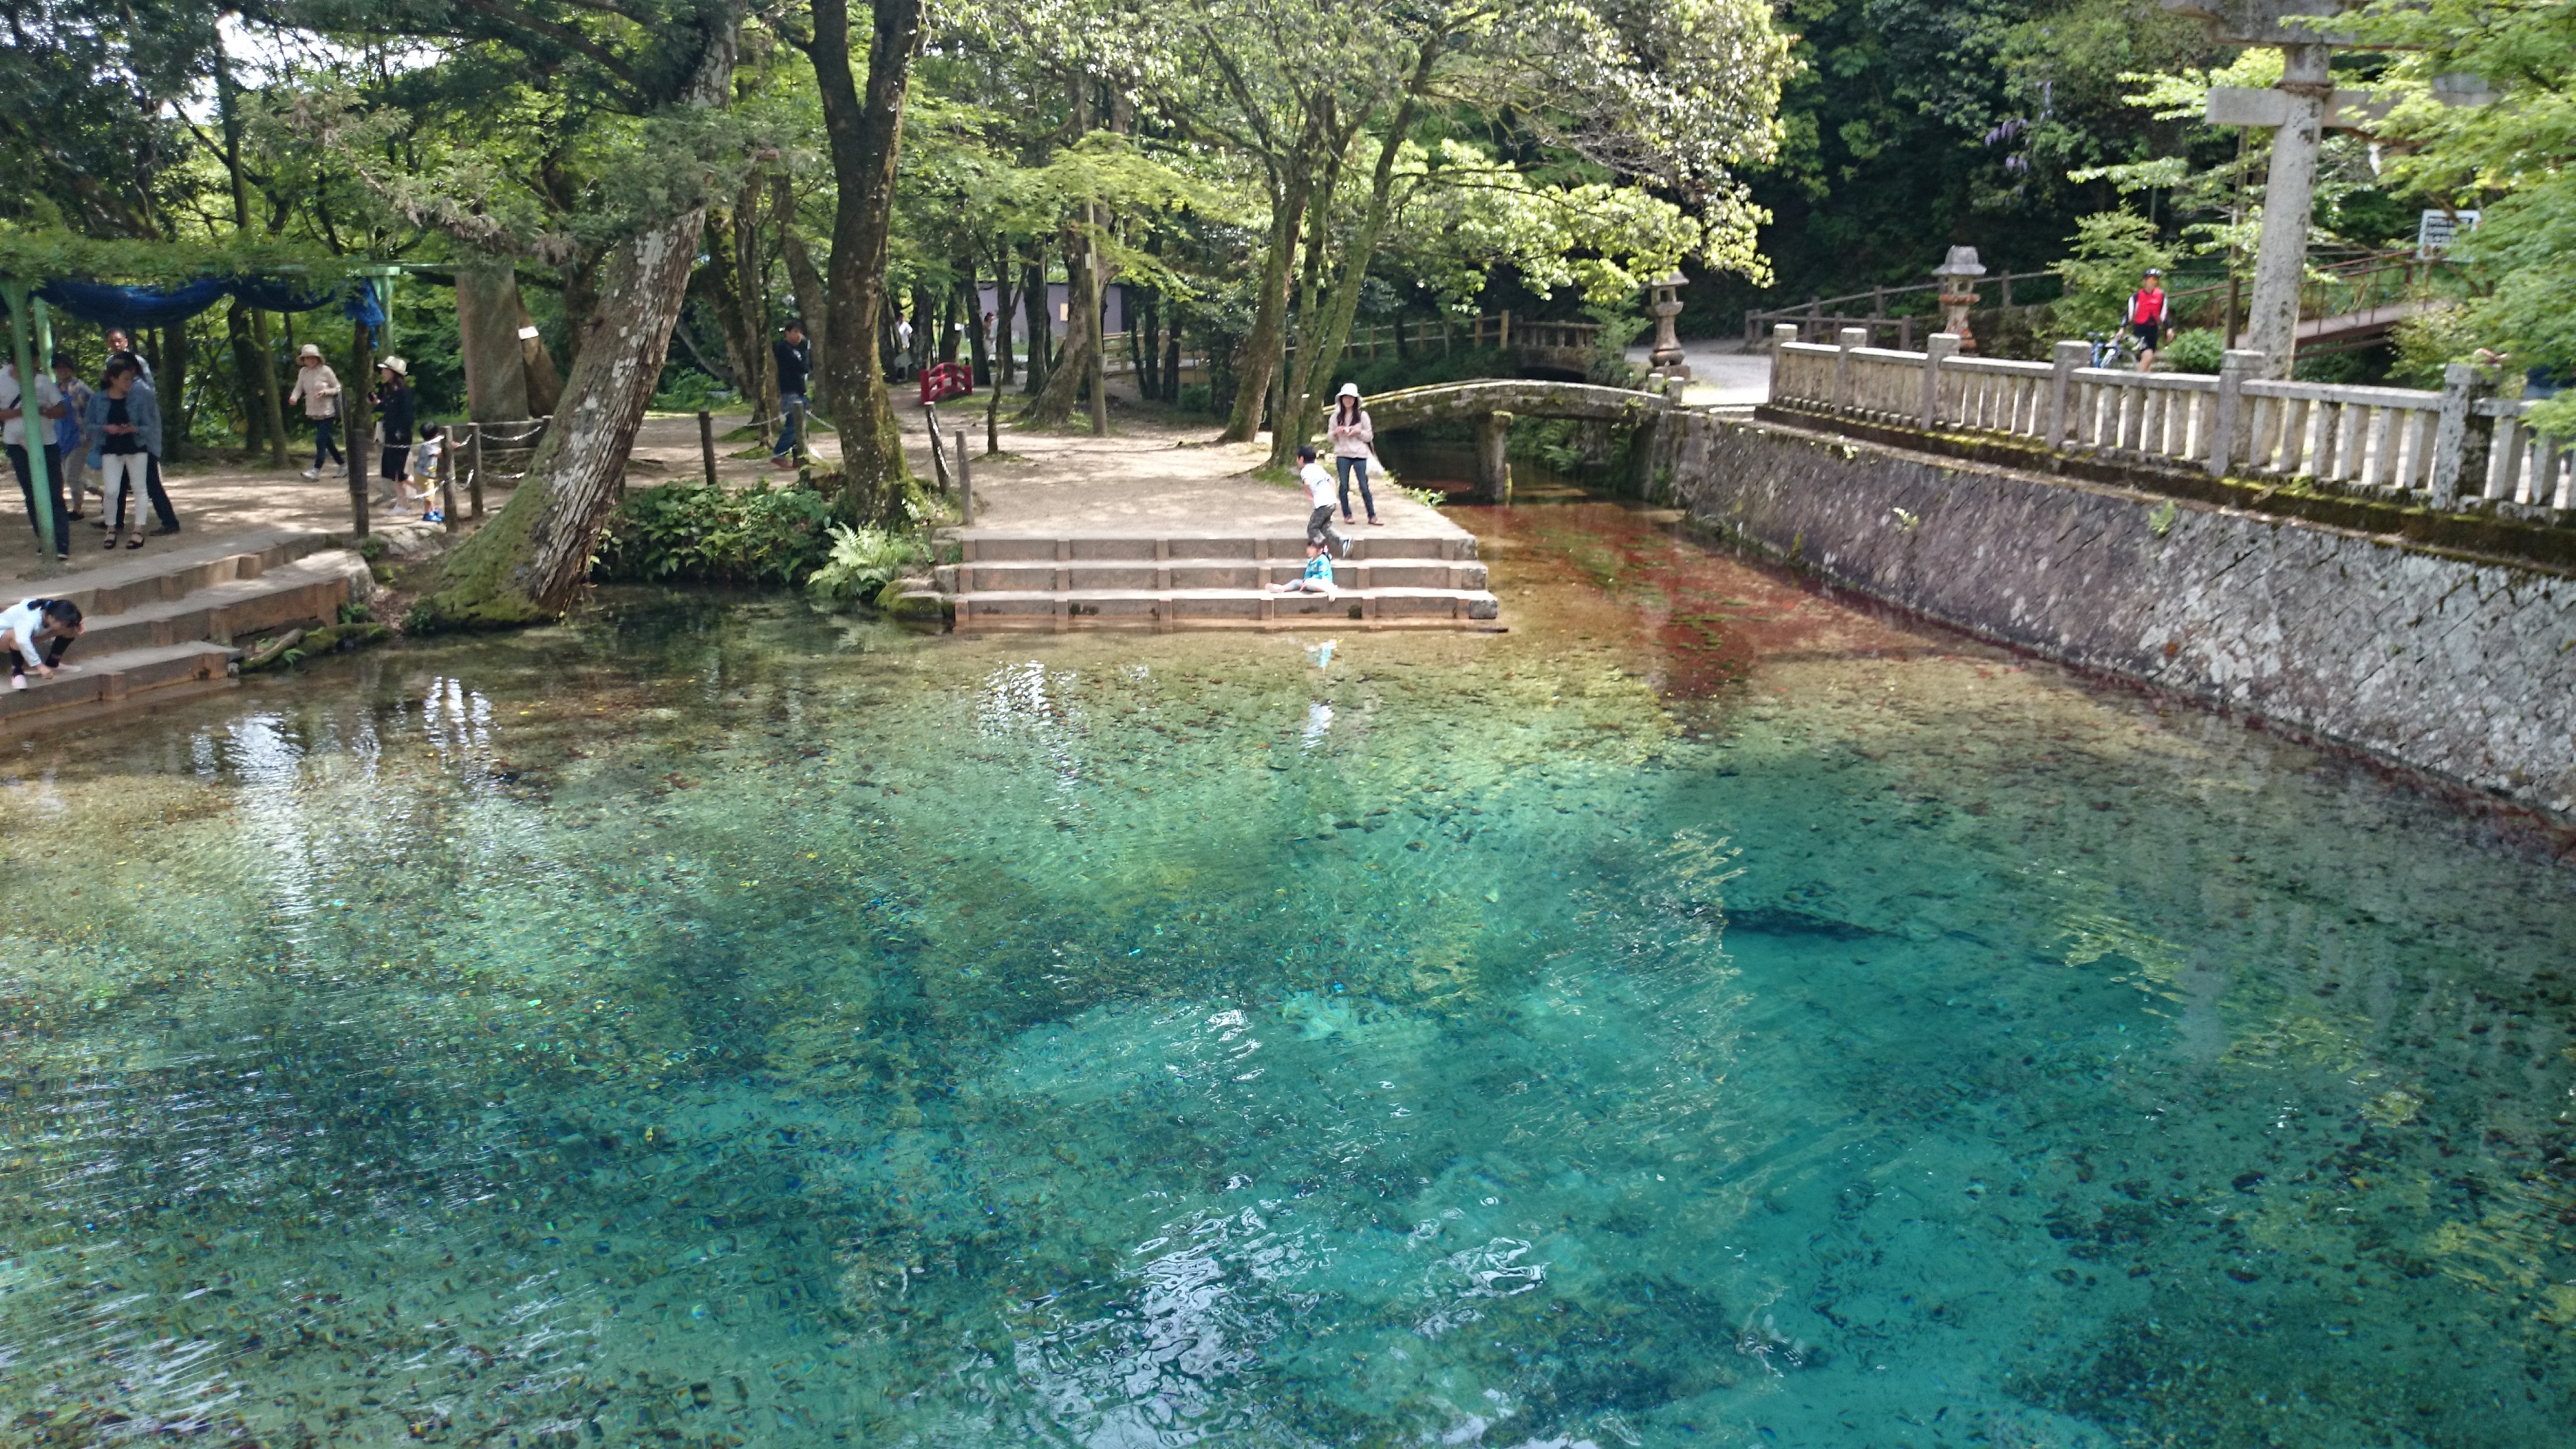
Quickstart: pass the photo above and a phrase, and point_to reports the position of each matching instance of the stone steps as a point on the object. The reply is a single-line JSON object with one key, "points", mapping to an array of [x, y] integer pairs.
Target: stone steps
{"points": [[1163, 610], [1407, 576], [1192, 574], [161, 626]]}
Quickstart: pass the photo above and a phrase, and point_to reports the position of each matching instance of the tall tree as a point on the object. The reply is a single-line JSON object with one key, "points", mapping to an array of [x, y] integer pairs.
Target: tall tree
{"points": [[863, 124]]}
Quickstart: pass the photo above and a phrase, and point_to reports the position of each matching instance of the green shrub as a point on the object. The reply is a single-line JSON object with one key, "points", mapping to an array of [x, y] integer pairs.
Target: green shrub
{"points": [[2112, 250], [862, 563], [2198, 349], [691, 532], [1387, 372]]}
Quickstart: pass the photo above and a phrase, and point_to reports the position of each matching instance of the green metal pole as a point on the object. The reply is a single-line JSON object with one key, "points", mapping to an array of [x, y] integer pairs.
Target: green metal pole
{"points": [[32, 424]]}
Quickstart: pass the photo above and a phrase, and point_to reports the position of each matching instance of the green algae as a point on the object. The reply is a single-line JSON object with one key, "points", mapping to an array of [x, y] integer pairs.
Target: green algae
{"points": [[723, 1023]]}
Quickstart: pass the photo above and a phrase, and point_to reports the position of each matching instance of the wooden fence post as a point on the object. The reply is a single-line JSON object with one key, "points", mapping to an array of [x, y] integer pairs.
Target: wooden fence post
{"points": [[447, 484], [474, 467], [707, 444], [965, 480]]}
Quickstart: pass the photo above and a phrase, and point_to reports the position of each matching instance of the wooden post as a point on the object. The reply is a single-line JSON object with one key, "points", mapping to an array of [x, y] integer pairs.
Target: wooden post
{"points": [[965, 480], [361, 416], [796, 416], [707, 444], [938, 447], [1506, 333], [474, 466], [447, 484]]}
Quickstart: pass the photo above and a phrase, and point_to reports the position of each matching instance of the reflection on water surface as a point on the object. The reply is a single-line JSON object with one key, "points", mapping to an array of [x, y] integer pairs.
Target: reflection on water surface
{"points": [[1706, 1014]]}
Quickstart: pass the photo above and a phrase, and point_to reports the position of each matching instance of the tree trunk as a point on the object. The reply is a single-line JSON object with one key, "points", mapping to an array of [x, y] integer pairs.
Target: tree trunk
{"points": [[813, 307], [969, 298], [1286, 431], [170, 380], [863, 130], [1002, 368], [487, 328], [528, 562], [1270, 310], [245, 379], [1172, 358], [738, 311], [1033, 301], [545, 385], [1318, 361], [1053, 406]]}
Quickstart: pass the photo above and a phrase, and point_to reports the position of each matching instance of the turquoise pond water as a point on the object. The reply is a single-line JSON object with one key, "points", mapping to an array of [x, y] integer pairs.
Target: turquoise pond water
{"points": [[1709, 1013]]}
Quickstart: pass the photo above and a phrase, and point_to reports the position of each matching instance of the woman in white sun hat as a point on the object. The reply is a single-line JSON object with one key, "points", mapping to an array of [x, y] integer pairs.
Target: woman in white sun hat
{"points": [[1352, 436]]}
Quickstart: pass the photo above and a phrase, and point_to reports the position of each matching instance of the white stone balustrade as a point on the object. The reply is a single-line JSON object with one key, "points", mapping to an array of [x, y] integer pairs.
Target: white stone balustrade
{"points": [[2461, 447]]}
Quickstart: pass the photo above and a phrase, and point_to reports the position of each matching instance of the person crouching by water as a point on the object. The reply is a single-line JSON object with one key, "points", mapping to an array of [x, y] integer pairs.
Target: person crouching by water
{"points": [[34, 633], [1353, 438]]}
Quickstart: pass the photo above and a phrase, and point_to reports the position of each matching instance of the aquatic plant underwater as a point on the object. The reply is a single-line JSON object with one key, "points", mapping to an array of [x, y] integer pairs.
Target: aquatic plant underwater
{"points": [[1707, 1014]]}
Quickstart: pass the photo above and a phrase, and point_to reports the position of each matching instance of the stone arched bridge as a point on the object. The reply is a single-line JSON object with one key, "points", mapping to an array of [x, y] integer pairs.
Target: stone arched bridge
{"points": [[1492, 404]]}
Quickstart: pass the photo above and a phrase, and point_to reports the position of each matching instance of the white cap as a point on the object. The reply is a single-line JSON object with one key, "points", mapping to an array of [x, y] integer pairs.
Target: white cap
{"points": [[1349, 389]]}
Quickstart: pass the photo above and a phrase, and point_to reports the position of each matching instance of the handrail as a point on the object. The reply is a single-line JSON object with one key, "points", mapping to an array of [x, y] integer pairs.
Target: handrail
{"points": [[2461, 447]]}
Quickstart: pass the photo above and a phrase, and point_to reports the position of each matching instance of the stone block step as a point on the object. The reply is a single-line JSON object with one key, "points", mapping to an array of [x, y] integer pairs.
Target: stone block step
{"points": [[155, 573], [1082, 575], [1166, 609], [307, 591], [1285, 540], [102, 683]]}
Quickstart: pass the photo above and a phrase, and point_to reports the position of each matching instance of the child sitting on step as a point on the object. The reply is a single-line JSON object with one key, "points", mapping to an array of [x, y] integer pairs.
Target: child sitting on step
{"points": [[34, 633], [1317, 579]]}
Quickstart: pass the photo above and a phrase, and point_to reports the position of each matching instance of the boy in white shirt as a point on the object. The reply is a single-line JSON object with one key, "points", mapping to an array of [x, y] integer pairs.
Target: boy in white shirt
{"points": [[1320, 492]]}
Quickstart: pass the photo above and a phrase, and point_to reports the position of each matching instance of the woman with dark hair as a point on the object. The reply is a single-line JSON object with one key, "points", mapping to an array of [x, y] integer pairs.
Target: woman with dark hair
{"points": [[125, 439], [393, 413], [1353, 437]]}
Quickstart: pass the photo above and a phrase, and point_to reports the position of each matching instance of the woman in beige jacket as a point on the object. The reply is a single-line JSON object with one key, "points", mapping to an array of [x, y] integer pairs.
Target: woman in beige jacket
{"points": [[318, 388]]}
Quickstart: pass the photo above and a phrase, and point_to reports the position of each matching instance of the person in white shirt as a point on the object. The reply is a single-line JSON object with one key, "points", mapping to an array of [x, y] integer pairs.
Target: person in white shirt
{"points": [[35, 632], [49, 408], [420, 483], [1319, 493], [1353, 438]]}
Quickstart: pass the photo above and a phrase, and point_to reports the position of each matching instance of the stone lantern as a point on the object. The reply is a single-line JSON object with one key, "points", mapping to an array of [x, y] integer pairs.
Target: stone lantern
{"points": [[1958, 279], [1666, 360]]}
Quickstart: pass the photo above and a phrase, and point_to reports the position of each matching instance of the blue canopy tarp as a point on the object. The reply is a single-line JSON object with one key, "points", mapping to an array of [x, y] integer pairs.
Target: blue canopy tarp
{"points": [[108, 305]]}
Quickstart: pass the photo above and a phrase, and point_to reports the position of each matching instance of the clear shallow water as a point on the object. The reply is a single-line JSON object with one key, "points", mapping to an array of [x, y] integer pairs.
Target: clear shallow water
{"points": [[1707, 1014]]}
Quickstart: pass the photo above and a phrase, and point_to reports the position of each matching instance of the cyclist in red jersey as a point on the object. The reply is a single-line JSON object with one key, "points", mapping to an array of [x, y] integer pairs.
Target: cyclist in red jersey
{"points": [[2146, 317]]}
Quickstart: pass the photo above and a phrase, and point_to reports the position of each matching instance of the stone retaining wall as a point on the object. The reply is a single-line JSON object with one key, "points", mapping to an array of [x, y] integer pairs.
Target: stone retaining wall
{"points": [[2459, 667]]}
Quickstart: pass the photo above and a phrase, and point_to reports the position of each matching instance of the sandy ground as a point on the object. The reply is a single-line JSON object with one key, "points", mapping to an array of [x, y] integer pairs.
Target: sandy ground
{"points": [[1149, 472]]}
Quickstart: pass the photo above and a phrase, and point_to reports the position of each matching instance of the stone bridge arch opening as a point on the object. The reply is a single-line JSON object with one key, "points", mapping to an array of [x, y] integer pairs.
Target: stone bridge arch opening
{"points": [[1489, 407]]}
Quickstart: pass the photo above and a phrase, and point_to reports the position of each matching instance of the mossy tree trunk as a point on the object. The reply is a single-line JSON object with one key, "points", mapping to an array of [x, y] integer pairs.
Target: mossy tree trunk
{"points": [[862, 128], [527, 565]]}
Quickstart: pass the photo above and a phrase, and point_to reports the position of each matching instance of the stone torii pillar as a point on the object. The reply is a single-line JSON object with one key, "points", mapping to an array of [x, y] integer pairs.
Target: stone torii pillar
{"points": [[2298, 110]]}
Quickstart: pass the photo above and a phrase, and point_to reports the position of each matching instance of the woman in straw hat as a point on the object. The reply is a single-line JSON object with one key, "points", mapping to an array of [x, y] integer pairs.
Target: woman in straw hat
{"points": [[318, 388]]}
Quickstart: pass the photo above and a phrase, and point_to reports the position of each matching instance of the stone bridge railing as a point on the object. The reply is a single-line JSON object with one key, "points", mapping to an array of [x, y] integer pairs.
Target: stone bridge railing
{"points": [[1492, 404], [2462, 448]]}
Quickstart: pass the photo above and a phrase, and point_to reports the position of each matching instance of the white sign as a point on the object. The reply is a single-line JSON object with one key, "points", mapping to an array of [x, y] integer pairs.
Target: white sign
{"points": [[2438, 229], [527, 334]]}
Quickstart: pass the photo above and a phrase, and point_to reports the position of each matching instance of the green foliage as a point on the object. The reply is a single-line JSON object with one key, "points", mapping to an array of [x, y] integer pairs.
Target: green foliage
{"points": [[863, 563], [687, 390], [690, 532], [2430, 341], [2195, 349], [1609, 365], [1387, 372], [2112, 250], [2515, 154]]}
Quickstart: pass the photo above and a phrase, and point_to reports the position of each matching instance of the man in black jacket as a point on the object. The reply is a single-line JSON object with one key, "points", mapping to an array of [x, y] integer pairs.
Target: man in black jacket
{"points": [[794, 357]]}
